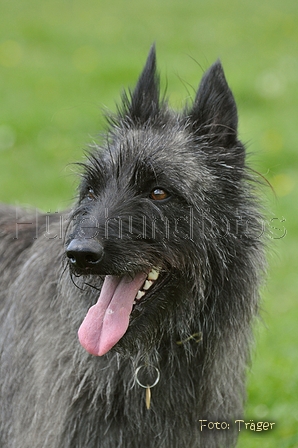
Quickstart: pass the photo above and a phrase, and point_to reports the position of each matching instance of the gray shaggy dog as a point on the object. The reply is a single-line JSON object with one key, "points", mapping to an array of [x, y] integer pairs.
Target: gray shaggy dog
{"points": [[158, 273]]}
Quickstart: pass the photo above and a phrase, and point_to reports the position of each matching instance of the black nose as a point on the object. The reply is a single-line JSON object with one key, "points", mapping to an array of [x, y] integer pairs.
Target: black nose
{"points": [[84, 253]]}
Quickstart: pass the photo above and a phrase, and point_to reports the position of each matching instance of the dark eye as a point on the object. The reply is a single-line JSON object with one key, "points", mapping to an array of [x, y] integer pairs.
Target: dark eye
{"points": [[90, 195], [158, 194]]}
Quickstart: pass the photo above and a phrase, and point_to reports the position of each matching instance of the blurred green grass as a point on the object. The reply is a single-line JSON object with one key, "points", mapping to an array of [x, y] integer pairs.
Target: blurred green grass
{"points": [[61, 63]]}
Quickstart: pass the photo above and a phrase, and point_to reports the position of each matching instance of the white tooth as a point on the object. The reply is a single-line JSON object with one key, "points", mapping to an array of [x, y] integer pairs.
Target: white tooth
{"points": [[140, 295], [147, 284], [153, 275]]}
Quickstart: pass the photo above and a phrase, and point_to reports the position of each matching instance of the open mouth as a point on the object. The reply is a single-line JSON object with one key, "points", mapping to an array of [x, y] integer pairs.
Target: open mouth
{"points": [[107, 321]]}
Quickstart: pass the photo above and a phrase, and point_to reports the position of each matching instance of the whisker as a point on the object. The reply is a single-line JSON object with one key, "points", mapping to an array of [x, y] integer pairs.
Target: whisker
{"points": [[92, 286]]}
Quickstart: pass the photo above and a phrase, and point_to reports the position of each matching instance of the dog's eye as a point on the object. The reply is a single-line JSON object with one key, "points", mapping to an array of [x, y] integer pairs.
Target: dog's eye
{"points": [[158, 194], [90, 195]]}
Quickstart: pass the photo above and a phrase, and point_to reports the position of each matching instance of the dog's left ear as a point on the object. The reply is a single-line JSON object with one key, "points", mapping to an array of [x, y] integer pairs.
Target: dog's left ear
{"points": [[143, 103], [214, 112]]}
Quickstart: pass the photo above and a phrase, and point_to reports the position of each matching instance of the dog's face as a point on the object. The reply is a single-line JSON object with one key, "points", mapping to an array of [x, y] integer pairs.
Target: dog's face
{"points": [[139, 227], [131, 229]]}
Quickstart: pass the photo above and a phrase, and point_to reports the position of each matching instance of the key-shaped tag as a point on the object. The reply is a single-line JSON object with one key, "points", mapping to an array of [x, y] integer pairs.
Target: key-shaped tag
{"points": [[148, 397]]}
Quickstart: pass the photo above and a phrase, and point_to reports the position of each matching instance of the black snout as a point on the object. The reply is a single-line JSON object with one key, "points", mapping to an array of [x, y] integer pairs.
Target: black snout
{"points": [[83, 253]]}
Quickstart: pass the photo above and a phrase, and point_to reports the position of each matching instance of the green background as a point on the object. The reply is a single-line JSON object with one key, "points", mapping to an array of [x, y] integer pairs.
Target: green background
{"points": [[62, 62]]}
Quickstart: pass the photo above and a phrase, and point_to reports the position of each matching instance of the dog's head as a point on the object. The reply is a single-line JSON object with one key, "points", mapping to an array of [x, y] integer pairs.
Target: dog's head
{"points": [[156, 212]]}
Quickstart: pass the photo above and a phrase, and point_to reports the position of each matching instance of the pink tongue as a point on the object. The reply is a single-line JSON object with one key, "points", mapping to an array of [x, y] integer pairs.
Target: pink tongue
{"points": [[107, 321]]}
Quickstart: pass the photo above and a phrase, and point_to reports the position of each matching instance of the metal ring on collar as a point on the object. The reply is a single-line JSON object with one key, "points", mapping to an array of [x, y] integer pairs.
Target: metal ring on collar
{"points": [[147, 385]]}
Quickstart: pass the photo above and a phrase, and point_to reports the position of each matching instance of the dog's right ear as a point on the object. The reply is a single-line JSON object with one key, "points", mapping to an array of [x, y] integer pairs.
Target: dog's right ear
{"points": [[143, 103]]}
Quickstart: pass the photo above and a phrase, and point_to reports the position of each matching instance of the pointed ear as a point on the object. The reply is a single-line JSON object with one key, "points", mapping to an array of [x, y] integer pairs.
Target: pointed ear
{"points": [[143, 103], [214, 111]]}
